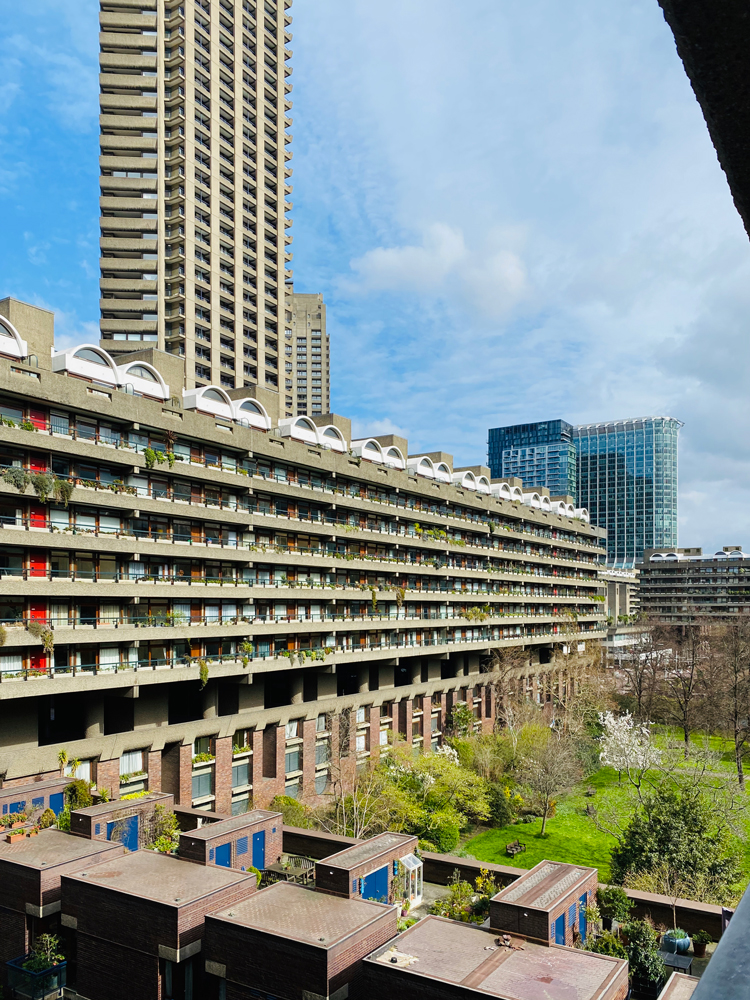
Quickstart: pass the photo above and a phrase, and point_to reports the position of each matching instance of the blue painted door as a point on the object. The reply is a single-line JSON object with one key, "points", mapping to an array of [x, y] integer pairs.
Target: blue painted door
{"points": [[259, 850], [560, 929], [18, 807], [56, 802], [126, 832], [582, 922], [375, 885], [224, 855]]}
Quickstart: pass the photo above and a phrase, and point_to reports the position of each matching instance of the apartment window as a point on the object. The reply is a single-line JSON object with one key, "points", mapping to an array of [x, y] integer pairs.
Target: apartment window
{"points": [[322, 753], [202, 785], [240, 774], [292, 729], [203, 744], [320, 723], [292, 761], [131, 762]]}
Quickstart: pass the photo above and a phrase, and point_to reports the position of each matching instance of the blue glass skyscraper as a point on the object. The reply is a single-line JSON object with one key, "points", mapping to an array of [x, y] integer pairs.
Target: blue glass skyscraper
{"points": [[627, 480], [540, 454]]}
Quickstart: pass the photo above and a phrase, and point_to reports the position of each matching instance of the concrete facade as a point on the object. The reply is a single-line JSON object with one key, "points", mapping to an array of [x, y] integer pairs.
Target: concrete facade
{"points": [[262, 614], [194, 175]]}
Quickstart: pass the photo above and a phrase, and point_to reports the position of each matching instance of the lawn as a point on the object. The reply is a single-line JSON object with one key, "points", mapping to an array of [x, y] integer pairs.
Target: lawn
{"points": [[571, 835]]}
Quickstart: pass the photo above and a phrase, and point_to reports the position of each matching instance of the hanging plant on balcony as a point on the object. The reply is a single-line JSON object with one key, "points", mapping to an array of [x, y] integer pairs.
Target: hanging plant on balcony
{"points": [[63, 490], [203, 673], [17, 478], [42, 632], [43, 484], [150, 456]]}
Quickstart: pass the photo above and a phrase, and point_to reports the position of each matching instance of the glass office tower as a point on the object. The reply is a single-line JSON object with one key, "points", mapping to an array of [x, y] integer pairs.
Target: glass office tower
{"points": [[627, 480], [540, 454]]}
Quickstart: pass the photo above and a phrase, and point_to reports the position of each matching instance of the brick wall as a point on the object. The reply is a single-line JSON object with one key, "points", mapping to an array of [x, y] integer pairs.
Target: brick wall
{"points": [[26, 791], [108, 971], [339, 881], [185, 796], [154, 770], [223, 775], [308, 758], [92, 821], [198, 849], [13, 939], [108, 776]]}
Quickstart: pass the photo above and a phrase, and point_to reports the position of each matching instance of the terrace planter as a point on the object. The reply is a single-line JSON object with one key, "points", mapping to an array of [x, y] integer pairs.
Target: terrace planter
{"points": [[35, 985], [33, 833], [16, 835]]}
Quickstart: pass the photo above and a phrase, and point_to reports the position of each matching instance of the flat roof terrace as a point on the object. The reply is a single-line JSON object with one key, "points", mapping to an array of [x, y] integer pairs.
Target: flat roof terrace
{"points": [[228, 826], [544, 885], [371, 849], [51, 848], [450, 952], [300, 914], [161, 878]]}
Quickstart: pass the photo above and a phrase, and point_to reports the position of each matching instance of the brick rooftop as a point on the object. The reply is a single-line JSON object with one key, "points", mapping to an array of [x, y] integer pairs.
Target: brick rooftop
{"points": [[53, 847], [458, 953], [543, 886], [227, 826], [350, 857], [161, 878], [292, 911]]}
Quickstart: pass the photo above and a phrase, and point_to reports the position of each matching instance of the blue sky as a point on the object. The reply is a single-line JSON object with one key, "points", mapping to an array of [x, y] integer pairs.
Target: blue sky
{"points": [[512, 207]]}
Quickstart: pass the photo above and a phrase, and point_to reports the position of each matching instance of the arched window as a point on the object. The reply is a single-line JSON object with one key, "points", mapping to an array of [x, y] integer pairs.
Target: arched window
{"points": [[85, 354], [251, 406], [214, 396], [141, 372]]}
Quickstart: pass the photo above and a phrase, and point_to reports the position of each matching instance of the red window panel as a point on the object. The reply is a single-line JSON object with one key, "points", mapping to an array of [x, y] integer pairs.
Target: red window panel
{"points": [[37, 462], [37, 563], [38, 610], [38, 517], [38, 419], [38, 662]]}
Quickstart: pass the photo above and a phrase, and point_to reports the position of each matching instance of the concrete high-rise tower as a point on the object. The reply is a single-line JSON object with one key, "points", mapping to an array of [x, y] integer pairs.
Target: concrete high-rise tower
{"points": [[194, 171]]}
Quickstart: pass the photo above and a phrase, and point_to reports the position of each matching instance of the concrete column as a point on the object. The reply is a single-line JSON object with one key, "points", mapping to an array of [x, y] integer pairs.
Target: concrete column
{"points": [[94, 717], [210, 699], [385, 676], [296, 686], [223, 775]]}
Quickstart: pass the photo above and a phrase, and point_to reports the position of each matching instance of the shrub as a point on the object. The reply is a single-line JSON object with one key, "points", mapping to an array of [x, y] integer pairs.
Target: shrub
{"points": [[702, 937], [644, 960], [17, 478], [444, 830], [43, 483], [607, 944], [427, 845], [293, 813], [78, 794], [44, 954], [676, 934], [614, 903], [251, 870], [46, 819]]}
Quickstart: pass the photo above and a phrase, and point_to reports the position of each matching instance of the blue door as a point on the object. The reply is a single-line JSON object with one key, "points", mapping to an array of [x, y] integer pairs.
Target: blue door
{"points": [[224, 855], [560, 929], [18, 807], [126, 832], [375, 885], [56, 802], [259, 850], [582, 922]]}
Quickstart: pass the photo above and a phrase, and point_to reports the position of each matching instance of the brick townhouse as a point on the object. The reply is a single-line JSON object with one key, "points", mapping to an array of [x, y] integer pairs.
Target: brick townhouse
{"points": [[222, 605]]}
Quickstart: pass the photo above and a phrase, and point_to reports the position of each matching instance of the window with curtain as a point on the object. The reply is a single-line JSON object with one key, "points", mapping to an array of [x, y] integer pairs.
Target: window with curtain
{"points": [[131, 762]]}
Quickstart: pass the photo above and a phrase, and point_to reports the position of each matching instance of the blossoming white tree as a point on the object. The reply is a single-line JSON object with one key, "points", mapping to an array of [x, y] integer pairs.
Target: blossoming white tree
{"points": [[627, 747]]}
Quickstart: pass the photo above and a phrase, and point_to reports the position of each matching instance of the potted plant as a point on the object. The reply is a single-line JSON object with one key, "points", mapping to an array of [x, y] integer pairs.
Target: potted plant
{"points": [[33, 832], [646, 966], [700, 940], [614, 904], [15, 835], [676, 941]]}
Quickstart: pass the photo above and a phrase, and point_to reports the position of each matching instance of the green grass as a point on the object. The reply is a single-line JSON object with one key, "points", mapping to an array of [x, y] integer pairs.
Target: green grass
{"points": [[571, 834]]}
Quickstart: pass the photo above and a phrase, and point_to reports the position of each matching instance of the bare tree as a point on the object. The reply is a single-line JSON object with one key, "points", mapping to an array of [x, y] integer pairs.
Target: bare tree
{"points": [[685, 662], [731, 686], [640, 665], [548, 769]]}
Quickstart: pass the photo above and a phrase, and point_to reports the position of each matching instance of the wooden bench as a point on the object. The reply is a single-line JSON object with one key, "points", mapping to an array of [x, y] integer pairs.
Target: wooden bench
{"points": [[515, 848]]}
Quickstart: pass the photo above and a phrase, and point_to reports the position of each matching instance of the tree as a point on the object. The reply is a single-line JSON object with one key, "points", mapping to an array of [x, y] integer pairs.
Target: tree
{"points": [[626, 746], [549, 768], [676, 825], [731, 687], [639, 666], [681, 882], [685, 662]]}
